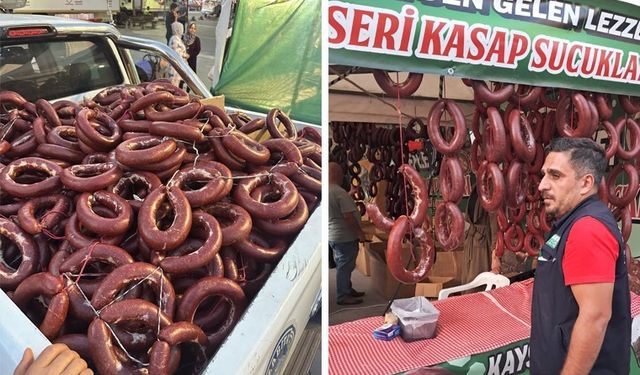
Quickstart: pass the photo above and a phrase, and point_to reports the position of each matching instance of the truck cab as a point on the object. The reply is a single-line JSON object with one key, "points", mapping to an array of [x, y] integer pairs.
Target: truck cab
{"points": [[57, 58]]}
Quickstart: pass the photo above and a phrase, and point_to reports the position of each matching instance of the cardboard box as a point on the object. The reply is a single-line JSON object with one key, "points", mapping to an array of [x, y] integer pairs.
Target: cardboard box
{"points": [[382, 279], [218, 101], [448, 264], [432, 285]]}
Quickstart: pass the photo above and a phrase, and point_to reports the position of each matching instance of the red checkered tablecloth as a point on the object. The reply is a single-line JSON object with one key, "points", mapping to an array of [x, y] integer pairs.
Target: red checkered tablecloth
{"points": [[468, 324]]}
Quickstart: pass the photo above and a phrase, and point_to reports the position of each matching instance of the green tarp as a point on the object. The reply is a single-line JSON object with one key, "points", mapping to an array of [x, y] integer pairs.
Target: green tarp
{"points": [[587, 45], [274, 58]]}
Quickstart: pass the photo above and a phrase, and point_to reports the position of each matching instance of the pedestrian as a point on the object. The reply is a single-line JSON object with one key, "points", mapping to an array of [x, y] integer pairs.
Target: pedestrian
{"points": [[192, 42], [169, 19], [177, 45], [344, 234], [55, 359], [580, 319]]}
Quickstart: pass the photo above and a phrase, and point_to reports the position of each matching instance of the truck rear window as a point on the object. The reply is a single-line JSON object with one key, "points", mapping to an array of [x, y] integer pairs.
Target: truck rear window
{"points": [[56, 69]]}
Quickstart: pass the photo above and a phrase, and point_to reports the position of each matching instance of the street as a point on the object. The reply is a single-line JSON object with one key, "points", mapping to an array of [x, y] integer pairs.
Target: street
{"points": [[206, 33]]}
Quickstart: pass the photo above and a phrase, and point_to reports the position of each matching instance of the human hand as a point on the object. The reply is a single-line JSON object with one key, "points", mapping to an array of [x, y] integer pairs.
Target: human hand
{"points": [[496, 263], [55, 359]]}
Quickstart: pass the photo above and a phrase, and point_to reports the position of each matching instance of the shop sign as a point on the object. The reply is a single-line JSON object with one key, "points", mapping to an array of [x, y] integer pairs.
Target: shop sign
{"points": [[592, 45]]}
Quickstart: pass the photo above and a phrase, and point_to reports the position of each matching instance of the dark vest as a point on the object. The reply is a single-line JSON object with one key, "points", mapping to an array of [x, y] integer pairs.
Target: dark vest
{"points": [[555, 310]]}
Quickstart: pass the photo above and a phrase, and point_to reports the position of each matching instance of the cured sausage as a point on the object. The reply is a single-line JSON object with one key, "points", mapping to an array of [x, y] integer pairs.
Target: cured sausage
{"points": [[104, 225], [90, 177], [448, 225], [142, 151], [235, 221], [402, 89], [45, 284], [11, 277], [148, 229], [257, 247], [521, 135], [517, 183], [395, 262], [451, 180], [632, 184], [272, 127], [564, 114], [57, 206], [622, 126], [493, 98], [494, 137], [267, 210], [491, 186], [215, 177], [459, 127], [288, 225], [49, 185]]}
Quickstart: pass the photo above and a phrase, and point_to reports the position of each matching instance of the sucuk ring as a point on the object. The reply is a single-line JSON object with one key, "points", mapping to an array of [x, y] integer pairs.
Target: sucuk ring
{"points": [[22, 145], [267, 210], [286, 147], [492, 98], [218, 113], [174, 161], [222, 154], [204, 227], [122, 276], [9, 173], [154, 98], [494, 137], [395, 262], [74, 233], [533, 250], [433, 127], [448, 225], [85, 127], [514, 238], [11, 277], [272, 127], [613, 137], [517, 182], [526, 95], [213, 286], [516, 214], [64, 136], [46, 284], [244, 147], [108, 357], [181, 97], [176, 130], [57, 206], [257, 246], [630, 104], [135, 186], [627, 124], [12, 98], [104, 226], [235, 221], [632, 186], [253, 126], [405, 88], [143, 151], [90, 177], [563, 115], [451, 179], [214, 176], [46, 110], [177, 232], [168, 339], [491, 186], [288, 225], [521, 136]]}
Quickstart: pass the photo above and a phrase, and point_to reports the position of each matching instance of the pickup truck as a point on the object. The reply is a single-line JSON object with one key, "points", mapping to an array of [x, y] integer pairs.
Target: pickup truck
{"points": [[56, 58]]}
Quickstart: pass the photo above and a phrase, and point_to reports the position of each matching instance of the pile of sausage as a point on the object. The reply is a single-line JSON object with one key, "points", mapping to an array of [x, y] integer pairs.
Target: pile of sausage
{"points": [[142, 220]]}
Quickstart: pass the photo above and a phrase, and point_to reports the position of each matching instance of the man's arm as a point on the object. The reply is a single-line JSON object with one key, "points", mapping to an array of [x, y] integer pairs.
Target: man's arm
{"points": [[351, 220], [594, 302]]}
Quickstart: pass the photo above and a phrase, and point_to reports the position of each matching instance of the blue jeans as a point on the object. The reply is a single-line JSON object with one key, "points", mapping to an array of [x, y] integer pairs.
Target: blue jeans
{"points": [[344, 253]]}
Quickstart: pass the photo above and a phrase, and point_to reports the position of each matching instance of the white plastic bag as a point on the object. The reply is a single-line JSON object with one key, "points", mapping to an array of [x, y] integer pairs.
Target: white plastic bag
{"points": [[418, 317]]}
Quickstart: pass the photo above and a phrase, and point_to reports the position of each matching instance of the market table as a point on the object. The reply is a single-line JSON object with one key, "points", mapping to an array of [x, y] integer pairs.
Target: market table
{"points": [[485, 332]]}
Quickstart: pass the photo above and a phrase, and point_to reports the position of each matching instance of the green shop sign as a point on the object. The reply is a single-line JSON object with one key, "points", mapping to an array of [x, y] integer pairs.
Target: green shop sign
{"points": [[590, 45]]}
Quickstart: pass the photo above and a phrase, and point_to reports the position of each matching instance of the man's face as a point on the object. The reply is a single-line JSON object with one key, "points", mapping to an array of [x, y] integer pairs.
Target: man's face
{"points": [[560, 186]]}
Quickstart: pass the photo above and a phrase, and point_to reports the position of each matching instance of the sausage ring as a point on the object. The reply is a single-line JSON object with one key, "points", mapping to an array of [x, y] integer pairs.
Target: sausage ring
{"points": [[451, 180], [177, 232], [9, 173], [632, 186], [288, 225], [288, 149], [394, 251], [449, 225], [634, 138], [492, 98], [10, 277], [244, 147], [235, 221], [379, 220], [529, 239], [90, 177], [459, 130], [517, 182], [183, 132], [272, 127], [216, 175], [267, 210], [564, 113], [491, 186], [257, 246], [208, 287], [46, 110], [74, 233], [521, 135], [405, 88], [87, 132], [630, 104], [57, 205], [143, 151], [514, 238], [204, 227], [105, 226], [107, 356], [168, 339], [45, 284], [613, 138], [135, 187]]}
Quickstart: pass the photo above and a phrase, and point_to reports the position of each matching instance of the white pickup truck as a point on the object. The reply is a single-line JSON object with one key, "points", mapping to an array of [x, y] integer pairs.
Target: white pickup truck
{"points": [[55, 58]]}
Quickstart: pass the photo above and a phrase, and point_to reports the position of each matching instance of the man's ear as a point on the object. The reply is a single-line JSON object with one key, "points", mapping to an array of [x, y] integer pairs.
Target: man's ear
{"points": [[588, 183]]}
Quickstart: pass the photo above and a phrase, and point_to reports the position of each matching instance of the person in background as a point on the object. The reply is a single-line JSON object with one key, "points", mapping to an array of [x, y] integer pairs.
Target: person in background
{"points": [[344, 234], [580, 318], [192, 42], [55, 359], [169, 19], [177, 45]]}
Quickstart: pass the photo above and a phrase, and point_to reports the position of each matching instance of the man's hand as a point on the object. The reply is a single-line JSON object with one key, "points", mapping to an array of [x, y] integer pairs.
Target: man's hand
{"points": [[55, 359], [496, 263]]}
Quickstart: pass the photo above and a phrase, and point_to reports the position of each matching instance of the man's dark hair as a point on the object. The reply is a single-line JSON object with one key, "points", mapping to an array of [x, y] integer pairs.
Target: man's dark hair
{"points": [[173, 6], [586, 156]]}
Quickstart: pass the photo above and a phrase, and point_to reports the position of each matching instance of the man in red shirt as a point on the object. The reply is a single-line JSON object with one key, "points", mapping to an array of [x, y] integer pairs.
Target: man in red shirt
{"points": [[580, 320]]}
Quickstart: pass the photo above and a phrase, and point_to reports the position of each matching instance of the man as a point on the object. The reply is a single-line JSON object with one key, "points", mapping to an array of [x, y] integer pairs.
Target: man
{"points": [[171, 17], [580, 320], [344, 235]]}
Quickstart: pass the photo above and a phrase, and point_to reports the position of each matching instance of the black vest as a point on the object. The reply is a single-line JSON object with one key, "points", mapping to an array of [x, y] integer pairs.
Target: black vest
{"points": [[555, 310]]}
